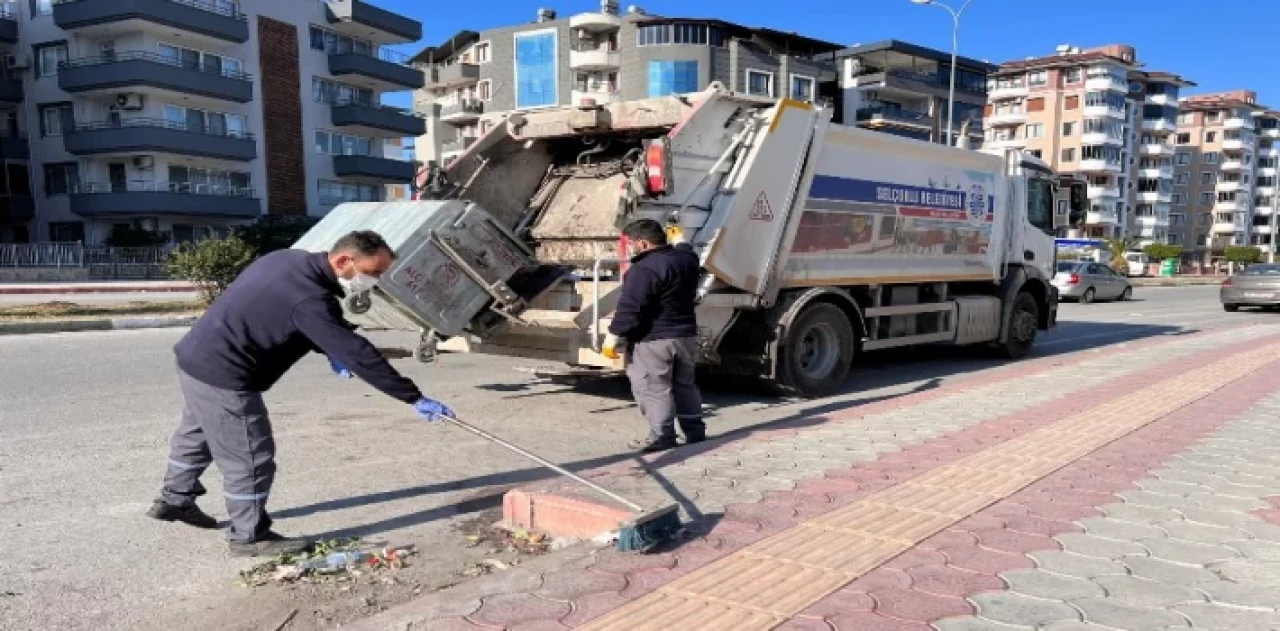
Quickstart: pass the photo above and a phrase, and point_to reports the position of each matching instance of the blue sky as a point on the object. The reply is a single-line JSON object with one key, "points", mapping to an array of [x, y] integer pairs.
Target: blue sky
{"points": [[1218, 44]]}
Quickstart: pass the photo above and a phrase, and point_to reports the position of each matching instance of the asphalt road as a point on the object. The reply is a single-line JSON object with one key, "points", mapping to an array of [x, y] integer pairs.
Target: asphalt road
{"points": [[87, 416]]}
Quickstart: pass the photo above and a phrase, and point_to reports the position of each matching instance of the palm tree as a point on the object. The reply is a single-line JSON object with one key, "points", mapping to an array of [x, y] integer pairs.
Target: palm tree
{"points": [[1117, 246]]}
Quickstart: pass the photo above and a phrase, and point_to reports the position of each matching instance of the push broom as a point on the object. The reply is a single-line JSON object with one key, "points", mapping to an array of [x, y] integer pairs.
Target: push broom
{"points": [[645, 529]]}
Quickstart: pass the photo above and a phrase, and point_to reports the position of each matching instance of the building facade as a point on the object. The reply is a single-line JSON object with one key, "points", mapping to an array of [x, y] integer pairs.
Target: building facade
{"points": [[476, 78], [902, 89], [1096, 113], [186, 116]]}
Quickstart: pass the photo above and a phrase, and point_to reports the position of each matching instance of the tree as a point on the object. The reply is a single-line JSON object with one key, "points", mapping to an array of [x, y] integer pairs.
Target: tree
{"points": [[1117, 246], [274, 232], [210, 264], [1243, 254], [1162, 251]]}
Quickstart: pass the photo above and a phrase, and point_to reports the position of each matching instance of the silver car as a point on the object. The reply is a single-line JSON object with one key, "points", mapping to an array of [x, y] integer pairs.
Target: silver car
{"points": [[1085, 282], [1256, 286]]}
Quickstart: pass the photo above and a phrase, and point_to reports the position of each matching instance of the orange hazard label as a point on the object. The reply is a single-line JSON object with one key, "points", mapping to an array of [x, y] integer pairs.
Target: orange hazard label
{"points": [[760, 211]]}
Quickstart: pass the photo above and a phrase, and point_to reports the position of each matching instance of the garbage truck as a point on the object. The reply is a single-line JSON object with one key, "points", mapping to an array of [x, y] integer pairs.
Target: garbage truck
{"points": [[818, 242]]}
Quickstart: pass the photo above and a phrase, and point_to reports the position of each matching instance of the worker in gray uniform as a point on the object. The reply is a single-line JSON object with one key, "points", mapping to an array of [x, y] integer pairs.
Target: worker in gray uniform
{"points": [[655, 319], [282, 307]]}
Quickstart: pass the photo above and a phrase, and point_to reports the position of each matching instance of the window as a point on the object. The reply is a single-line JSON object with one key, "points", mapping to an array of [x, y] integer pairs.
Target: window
{"points": [[1040, 203], [484, 90], [334, 93], [1184, 138], [672, 77], [802, 88], [690, 34], [1035, 130], [481, 53], [205, 181], [1035, 105], [1206, 199], [61, 178], [1038, 77], [1073, 75], [1181, 179], [1071, 103], [1211, 157], [204, 121], [48, 57], [51, 117], [66, 231], [759, 83], [1206, 177], [1213, 117], [1068, 129], [336, 144], [653, 35], [1210, 136], [1186, 118], [333, 193], [1183, 159], [206, 62], [1037, 153], [323, 39], [42, 7], [1069, 155], [536, 69], [1179, 199]]}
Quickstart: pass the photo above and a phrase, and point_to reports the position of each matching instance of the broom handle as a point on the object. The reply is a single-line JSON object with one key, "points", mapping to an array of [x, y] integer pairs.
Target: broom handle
{"points": [[548, 464]]}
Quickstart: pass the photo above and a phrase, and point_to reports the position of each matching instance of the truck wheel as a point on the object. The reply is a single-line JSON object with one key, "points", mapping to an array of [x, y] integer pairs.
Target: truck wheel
{"points": [[1024, 321], [815, 358]]}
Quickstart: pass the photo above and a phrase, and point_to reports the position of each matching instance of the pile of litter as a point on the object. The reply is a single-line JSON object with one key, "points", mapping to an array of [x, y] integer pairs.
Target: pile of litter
{"points": [[327, 561]]}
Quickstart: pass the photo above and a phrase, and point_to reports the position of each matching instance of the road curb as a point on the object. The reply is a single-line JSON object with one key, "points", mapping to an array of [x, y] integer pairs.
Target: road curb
{"points": [[1176, 282], [18, 290], [77, 326]]}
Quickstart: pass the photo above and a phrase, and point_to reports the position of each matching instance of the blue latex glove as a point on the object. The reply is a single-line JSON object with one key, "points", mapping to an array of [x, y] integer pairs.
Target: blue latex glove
{"points": [[432, 410], [340, 370]]}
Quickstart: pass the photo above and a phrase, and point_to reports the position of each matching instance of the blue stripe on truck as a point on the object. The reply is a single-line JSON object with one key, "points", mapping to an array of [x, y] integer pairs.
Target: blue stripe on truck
{"points": [[845, 189]]}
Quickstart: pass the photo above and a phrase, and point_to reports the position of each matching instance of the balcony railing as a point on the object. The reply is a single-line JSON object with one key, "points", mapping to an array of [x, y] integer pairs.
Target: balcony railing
{"points": [[892, 114], [139, 55], [159, 123], [231, 11], [143, 186]]}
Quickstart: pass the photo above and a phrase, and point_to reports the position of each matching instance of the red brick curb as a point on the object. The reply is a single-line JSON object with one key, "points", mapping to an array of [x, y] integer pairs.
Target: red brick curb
{"points": [[932, 581], [563, 509], [609, 579]]}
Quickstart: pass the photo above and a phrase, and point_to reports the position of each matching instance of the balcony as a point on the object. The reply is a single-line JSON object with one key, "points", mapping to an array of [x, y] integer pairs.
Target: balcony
{"points": [[1106, 82], [457, 145], [1008, 92], [462, 112], [880, 115], [594, 58], [1099, 111], [102, 18], [145, 72], [1159, 124], [14, 147], [1227, 186], [1154, 197], [1100, 166], [1161, 99], [1228, 205], [1005, 118], [150, 199], [1158, 149], [385, 71], [445, 76], [1152, 221], [1004, 143], [595, 96], [1238, 122], [11, 90], [1102, 218], [1269, 152], [17, 208], [361, 19], [1262, 229], [1265, 190], [1267, 171], [146, 135], [1237, 144], [596, 22], [1160, 172], [1109, 191], [1269, 132], [373, 169], [1100, 138], [1234, 164], [1223, 227], [377, 120]]}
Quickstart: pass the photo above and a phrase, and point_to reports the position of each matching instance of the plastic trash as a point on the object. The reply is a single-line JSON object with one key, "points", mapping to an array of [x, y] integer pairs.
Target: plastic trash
{"points": [[334, 562]]}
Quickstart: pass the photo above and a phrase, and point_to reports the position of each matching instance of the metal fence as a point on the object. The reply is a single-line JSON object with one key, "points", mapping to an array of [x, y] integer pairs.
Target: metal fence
{"points": [[102, 262]]}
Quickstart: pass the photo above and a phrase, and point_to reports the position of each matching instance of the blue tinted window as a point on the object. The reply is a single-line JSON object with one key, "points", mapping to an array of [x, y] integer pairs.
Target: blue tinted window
{"points": [[536, 70], [672, 77]]}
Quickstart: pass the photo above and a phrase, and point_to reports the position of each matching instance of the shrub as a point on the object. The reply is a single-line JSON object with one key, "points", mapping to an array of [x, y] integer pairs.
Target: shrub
{"points": [[1163, 252], [1245, 254], [210, 264]]}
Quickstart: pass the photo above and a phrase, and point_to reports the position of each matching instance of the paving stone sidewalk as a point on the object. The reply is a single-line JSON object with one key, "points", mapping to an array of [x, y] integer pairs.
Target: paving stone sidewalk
{"points": [[740, 493]]}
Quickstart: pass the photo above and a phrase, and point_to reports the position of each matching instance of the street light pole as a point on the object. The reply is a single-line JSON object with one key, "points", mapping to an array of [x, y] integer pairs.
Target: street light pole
{"points": [[955, 46]]}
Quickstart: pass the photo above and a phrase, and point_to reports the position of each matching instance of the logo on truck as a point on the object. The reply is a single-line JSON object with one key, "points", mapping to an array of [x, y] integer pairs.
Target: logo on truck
{"points": [[977, 204]]}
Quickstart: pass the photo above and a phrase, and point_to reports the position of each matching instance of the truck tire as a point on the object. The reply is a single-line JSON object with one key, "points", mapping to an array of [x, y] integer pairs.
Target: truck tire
{"points": [[1024, 321], [814, 359]]}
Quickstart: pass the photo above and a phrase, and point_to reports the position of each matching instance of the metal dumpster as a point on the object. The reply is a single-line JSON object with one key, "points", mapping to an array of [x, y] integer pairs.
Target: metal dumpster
{"points": [[456, 269]]}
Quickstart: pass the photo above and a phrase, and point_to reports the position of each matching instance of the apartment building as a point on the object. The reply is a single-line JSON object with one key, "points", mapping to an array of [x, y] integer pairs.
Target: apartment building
{"points": [[902, 89], [1225, 173], [185, 116], [1099, 114], [17, 208], [477, 77]]}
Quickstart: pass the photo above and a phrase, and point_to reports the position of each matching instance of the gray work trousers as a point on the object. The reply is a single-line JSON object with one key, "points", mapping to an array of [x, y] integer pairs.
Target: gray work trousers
{"points": [[233, 430], [662, 382]]}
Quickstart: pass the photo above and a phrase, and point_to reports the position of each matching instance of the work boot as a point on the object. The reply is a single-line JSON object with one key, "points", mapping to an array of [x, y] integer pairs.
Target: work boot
{"points": [[190, 515], [695, 431], [649, 445], [693, 438], [269, 545]]}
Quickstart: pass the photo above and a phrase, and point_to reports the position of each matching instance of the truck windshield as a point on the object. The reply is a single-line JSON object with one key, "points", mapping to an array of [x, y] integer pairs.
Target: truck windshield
{"points": [[1040, 203]]}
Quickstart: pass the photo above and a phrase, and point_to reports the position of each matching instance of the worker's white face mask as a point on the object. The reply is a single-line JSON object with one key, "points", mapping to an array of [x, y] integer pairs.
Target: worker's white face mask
{"points": [[358, 284]]}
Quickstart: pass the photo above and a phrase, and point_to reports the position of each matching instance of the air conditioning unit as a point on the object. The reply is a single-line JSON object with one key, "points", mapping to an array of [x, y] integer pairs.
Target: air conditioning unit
{"points": [[130, 101], [15, 62], [144, 163]]}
